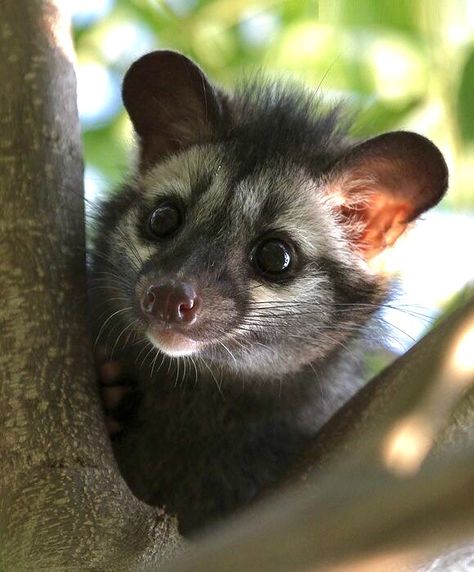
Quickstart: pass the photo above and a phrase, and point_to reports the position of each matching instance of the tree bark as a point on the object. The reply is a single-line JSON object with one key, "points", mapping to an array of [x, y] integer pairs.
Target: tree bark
{"points": [[62, 501]]}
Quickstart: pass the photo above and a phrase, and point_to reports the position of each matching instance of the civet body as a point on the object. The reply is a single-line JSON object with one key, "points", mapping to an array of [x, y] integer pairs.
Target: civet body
{"points": [[234, 272]]}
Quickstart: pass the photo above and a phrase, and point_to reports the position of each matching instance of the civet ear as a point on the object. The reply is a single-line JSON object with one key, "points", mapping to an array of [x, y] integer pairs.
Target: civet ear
{"points": [[170, 102], [383, 184]]}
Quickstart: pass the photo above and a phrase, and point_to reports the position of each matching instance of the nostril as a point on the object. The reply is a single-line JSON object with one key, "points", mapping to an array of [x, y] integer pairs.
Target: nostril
{"points": [[188, 305], [148, 301], [171, 303], [187, 310]]}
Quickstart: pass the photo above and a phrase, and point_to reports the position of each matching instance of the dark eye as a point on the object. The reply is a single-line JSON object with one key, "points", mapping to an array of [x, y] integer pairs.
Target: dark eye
{"points": [[165, 220], [273, 257]]}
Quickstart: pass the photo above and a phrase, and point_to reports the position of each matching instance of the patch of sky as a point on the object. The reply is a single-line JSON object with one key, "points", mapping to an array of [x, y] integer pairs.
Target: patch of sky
{"points": [[125, 41], [98, 93], [95, 186], [257, 26], [86, 12], [433, 262]]}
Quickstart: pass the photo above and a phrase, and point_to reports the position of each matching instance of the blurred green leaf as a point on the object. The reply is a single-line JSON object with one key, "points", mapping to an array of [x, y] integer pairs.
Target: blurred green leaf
{"points": [[379, 117], [399, 61], [402, 15], [106, 149], [465, 104]]}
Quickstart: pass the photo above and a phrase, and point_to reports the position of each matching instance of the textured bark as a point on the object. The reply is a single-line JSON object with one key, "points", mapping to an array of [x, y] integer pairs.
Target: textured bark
{"points": [[62, 501]]}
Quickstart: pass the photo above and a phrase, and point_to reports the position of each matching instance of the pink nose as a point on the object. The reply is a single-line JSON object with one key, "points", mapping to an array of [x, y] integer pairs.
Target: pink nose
{"points": [[171, 302]]}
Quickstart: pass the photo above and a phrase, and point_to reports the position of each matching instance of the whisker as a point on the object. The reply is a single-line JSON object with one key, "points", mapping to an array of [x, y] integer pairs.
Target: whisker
{"points": [[213, 376], [126, 309], [153, 363], [120, 335], [229, 352], [147, 354]]}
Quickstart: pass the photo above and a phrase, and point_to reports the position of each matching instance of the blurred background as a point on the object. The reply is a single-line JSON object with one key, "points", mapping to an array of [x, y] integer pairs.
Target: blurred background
{"points": [[407, 64]]}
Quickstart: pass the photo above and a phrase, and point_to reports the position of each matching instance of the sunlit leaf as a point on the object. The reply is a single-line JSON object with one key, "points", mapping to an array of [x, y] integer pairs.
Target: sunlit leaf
{"points": [[402, 15], [379, 117], [465, 108], [107, 148]]}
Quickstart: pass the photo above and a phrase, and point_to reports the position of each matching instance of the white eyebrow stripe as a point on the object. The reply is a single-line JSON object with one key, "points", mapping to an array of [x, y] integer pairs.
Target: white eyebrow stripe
{"points": [[264, 293], [306, 218], [180, 173]]}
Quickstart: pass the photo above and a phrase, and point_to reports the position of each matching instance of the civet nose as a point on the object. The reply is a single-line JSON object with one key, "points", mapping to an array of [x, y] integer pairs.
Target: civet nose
{"points": [[171, 302]]}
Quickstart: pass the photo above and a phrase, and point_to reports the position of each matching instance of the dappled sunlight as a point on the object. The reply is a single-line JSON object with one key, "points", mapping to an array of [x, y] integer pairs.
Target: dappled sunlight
{"points": [[411, 439], [258, 27], [461, 361], [124, 40], [407, 444], [397, 68], [96, 93], [391, 561]]}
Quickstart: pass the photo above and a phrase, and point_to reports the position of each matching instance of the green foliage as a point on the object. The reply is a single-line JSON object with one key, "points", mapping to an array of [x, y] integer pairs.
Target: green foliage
{"points": [[406, 64], [466, 100]]}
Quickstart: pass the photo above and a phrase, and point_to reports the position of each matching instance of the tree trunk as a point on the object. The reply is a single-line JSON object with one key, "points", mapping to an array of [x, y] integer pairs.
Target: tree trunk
{"points": [[63, 503]]}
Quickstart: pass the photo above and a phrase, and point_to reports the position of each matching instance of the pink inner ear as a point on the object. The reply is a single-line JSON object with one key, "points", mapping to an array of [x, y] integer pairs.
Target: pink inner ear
{"points": [[383, 184], [376, 224]]}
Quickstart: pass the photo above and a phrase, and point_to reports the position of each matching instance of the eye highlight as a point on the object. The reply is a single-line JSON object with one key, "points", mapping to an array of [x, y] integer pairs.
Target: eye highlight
{"points": [[273, 258], [165, 220]]}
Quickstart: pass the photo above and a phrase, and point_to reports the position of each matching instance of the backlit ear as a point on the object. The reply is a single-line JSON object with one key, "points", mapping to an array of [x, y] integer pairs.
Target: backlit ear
{"points": [[170, 102], [383, 184]]}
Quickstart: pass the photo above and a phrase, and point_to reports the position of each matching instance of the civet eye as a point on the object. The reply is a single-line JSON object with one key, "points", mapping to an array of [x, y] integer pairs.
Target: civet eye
{"points": [[273, 257], [165, 220]]}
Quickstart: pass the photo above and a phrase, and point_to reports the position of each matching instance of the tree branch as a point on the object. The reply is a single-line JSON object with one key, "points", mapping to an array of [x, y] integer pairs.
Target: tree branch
{"points": [[353, 509], [421, 379]]}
